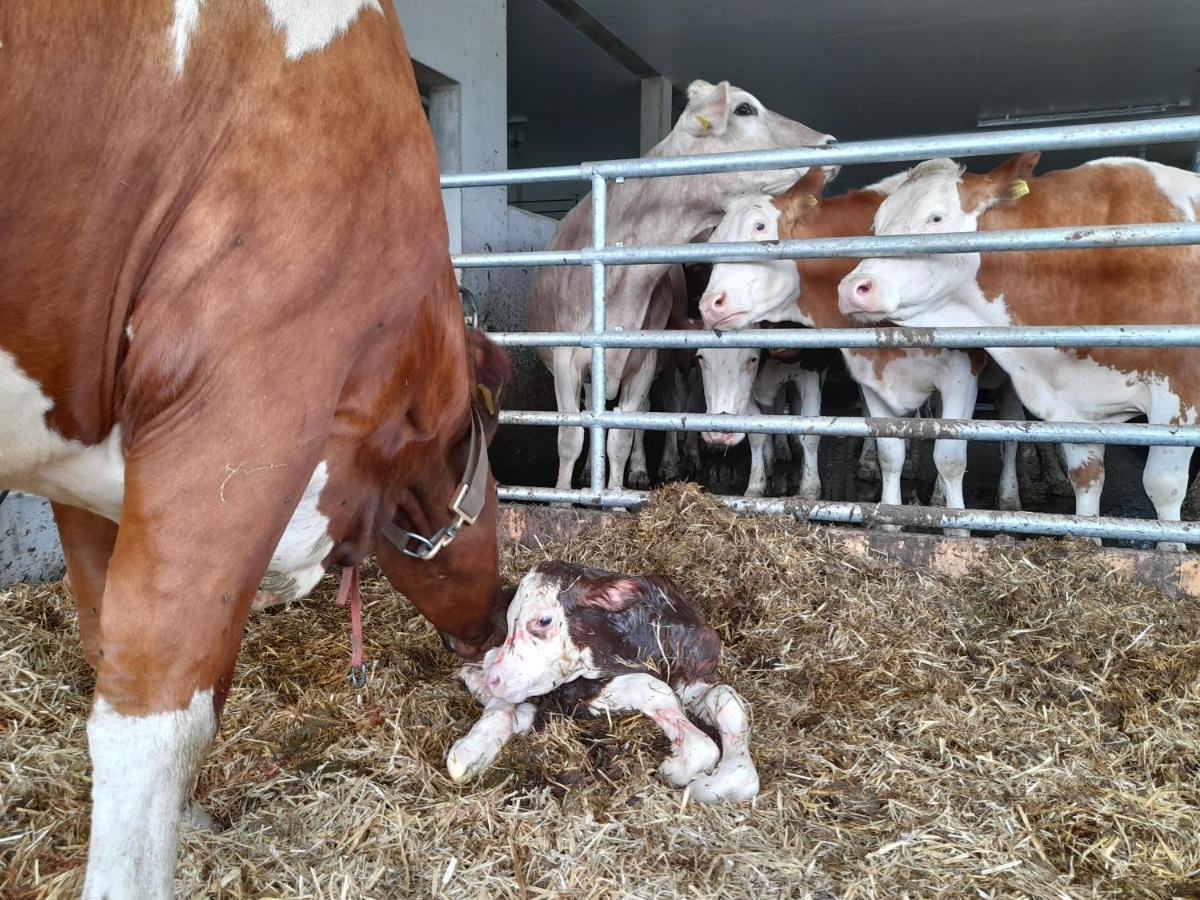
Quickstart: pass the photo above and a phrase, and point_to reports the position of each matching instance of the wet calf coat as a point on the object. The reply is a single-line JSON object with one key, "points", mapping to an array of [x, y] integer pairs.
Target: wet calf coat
{"points": [[592, 640]]}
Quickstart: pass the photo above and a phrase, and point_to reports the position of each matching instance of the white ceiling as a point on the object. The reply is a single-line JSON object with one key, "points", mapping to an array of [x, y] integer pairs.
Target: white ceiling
{"points": [[856, 68]]}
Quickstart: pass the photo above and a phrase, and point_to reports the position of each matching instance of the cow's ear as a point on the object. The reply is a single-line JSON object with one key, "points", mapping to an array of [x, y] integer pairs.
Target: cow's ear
{"points": [[614, 594], [489, 373], [1007, 182], [708, 110]]}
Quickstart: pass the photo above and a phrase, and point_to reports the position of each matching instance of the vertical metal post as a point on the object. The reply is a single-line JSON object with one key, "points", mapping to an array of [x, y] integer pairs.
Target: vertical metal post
{"points": [[599, 394]]}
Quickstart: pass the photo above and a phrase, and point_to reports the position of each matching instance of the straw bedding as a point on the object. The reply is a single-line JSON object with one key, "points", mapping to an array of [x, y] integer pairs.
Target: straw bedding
{"points": [[1032, 729]]}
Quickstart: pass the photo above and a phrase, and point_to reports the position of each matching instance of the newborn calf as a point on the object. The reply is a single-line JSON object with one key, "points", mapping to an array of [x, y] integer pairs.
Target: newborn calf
{"points": [[610, 643]]}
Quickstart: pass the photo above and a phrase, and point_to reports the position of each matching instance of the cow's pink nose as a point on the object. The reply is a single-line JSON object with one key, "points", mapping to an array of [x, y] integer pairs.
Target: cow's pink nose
{"points": [[856, 293], [712, 306], [721, 438]]}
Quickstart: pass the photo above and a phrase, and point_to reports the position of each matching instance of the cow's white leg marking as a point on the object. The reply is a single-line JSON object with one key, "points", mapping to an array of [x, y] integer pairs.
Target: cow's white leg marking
{"points": [[1008, 407], [314, 24], [143, 769], [809, 386], [1165, 479], [1085, 468], [693, 751], [760, 446], [735, 778], [959, 391], [890, 452]]}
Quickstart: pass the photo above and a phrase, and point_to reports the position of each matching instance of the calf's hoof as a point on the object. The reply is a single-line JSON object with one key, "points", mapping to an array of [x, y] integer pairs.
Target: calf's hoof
{"points": [[697, 754], [194, 816], [735, 780]]}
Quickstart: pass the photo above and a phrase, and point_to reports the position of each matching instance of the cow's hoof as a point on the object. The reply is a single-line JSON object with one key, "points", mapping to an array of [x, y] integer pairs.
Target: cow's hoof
{"points": [[957, 532], [1172, 547], [698, 754], [867, 472], [734, 781], [1009, 503], [639, 479], [810, 491], [668, 473], [469, 758]]}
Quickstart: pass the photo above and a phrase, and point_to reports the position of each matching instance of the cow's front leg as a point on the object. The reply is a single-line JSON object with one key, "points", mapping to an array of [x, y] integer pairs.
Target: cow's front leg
{"points": [[200, 520], [692, 751]]}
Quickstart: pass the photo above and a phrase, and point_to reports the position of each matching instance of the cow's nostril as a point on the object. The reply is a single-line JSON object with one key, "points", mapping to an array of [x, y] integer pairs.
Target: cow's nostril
{"points": [[718, 299], [863, 288]]}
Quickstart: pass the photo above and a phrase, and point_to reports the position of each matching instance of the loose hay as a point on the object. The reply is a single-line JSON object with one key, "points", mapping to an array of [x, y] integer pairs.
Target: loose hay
{"points": [[1028, 730]]}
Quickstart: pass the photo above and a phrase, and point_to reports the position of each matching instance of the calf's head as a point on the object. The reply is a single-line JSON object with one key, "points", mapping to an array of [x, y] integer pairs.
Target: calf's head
{"points": [[550, 624], [936, 198], [458, 587]]}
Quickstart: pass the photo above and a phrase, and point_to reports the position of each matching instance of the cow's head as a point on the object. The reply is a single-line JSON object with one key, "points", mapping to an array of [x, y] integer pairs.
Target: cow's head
{"points": [[936, 198], [721, 118], [454, 585], [728, 376], [548, 628], [742, 293]]}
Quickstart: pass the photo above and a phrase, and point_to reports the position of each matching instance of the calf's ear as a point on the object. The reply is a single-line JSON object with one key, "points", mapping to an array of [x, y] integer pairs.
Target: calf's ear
{"points": [[615, 593], [708, 110], [1005, 183]]}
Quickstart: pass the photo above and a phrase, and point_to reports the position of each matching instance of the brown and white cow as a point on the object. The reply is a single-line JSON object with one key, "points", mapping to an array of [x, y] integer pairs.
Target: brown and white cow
{"points": [[1130, 286], [232, 347], [605, 643], [718, 118], [893, 382]]}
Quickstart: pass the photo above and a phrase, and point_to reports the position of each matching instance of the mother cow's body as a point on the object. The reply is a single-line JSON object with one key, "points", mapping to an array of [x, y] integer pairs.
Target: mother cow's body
{"points": [[230, 325]]}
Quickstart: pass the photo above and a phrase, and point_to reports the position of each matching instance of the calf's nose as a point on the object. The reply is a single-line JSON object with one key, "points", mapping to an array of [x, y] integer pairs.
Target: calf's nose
{"points": [[856, 293]]}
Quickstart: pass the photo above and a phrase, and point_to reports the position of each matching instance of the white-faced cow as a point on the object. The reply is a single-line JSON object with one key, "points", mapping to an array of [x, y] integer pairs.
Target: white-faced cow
{"points": [[606, 643], [894, 382], [1129, 286], [232, 355], [718, 118]]}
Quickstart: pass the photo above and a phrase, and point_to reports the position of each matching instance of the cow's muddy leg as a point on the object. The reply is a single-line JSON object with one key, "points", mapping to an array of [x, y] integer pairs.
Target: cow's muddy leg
{"points": [[1165, 479], [87, 542], [692, 751], [202, 514], [1008, 408], [890, 452], [635, 396], [568, 378], [735, 778], [958, 395], [1085, 468], [809, 387]]}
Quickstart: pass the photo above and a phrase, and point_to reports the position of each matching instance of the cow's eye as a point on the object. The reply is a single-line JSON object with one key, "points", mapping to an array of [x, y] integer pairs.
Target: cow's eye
{"points": [[745, 109], [935, 218], [760, 226]]}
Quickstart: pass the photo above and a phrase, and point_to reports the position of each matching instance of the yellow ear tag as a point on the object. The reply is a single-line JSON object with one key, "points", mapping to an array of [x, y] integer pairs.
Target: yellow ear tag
{"points": [[704, 123], [1018, 189], [812, 200], [486, 396]]}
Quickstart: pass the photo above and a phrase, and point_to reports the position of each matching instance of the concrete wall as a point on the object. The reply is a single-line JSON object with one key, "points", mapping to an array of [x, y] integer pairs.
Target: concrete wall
{"points": [[29, 548]]}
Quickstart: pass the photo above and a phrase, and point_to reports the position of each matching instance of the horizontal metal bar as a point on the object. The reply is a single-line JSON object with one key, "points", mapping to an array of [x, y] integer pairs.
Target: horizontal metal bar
{"points": [[857, 247], [875, 514], [1020, 140], [869, 338], [1138, 435]]}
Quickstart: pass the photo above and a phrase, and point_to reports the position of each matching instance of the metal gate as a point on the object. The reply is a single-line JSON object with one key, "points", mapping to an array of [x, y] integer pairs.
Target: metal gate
{"points": [[598, 419]]}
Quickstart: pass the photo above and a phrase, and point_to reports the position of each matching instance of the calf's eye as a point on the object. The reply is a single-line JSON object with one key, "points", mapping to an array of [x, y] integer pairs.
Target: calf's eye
{"points": [[546, 621]]}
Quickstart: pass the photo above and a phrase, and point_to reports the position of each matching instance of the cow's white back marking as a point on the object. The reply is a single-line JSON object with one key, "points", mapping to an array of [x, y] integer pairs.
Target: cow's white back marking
{"points": [[313, 24], [307, 24], [143, 769], [36, 458], [187, 15]]}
